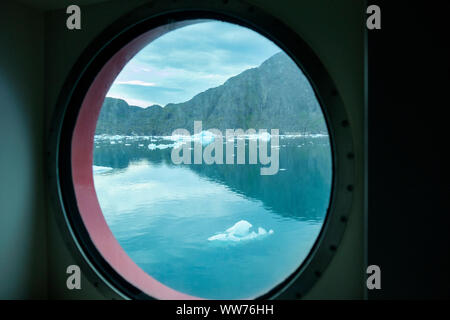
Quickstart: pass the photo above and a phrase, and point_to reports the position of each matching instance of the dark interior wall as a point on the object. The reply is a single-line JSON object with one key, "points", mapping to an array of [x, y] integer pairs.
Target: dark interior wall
{"points": [[23, 218], [62, 49], [409, 77], [36, 41], [334, 30]]}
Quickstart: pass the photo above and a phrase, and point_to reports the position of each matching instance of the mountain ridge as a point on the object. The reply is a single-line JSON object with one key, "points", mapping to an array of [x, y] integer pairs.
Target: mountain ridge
{"points": [[275, 95]]}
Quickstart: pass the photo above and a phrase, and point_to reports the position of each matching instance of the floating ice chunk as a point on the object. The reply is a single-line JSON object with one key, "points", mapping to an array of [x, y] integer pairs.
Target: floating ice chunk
{"points": [[163, 146], [240, 228], [100, 169], [318, 135], [220, 236], [205, 137], [264, 136], [179, 138], [262, 231], [240, 231]]}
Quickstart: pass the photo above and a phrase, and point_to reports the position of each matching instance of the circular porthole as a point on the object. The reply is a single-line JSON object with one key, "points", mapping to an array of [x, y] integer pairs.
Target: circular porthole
{"points": [[202, 152]]}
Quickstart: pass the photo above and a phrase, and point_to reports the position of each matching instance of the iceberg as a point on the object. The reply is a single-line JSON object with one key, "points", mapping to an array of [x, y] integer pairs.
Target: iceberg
{"points": [[179, 138], [265, 136], [205, 137], [262, 136], [162, 146], [240, 231]]}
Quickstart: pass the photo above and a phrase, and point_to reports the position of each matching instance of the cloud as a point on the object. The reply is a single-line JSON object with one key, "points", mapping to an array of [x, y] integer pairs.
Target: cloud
{"points": [[137, 83], [133, 102], [190, 60]]}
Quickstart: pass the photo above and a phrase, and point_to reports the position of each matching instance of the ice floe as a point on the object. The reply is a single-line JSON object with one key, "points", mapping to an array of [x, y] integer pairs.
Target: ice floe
{"points": [[204, 137], [240, 231], [161, 146], [303, 135], [264, 136]]}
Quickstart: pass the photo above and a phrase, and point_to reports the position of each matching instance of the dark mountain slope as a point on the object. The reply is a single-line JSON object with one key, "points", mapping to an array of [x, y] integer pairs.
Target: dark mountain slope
{"points": [[276, 95]]}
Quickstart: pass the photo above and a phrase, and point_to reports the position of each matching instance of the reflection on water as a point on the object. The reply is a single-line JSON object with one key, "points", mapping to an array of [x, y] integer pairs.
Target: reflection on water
{"points": [[214, 231]]}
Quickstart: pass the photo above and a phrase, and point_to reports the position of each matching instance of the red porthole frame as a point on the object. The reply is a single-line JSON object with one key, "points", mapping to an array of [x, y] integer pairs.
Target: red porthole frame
{"points": [[82, 176]]}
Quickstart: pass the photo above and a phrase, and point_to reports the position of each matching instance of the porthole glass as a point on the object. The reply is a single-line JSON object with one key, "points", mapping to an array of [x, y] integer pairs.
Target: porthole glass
{"points": [[199, 205]]}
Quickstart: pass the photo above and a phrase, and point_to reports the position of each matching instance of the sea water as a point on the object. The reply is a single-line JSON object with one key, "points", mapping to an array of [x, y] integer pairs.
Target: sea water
{"points": [[214, 231]]}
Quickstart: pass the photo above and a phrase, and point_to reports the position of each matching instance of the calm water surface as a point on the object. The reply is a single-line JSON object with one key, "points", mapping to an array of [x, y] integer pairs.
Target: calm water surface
{"points": [[172, 220]]}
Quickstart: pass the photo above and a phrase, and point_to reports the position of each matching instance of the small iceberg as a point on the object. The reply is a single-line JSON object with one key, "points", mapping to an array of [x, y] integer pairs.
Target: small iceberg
{"points": [[240, 231], [100, 169], [262, 136], [163, 146], [116, 137], [265, 136], [205, 137], [179, 138]]}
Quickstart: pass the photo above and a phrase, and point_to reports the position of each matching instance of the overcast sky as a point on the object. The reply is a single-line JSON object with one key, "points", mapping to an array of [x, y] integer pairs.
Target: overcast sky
{"points": [[189, 60]]}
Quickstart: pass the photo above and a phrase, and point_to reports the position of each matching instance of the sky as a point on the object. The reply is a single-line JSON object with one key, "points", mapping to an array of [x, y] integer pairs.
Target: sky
{"points": [[189, 60]]}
